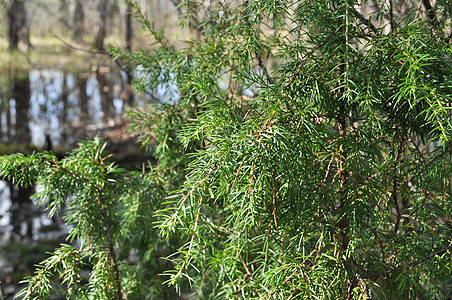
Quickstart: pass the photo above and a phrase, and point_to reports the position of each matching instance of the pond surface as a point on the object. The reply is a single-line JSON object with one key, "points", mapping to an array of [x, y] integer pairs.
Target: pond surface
{"points": [[60, 106], [51, 109]]}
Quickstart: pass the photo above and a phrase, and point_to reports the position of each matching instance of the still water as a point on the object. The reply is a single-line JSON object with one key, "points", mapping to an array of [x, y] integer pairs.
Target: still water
{"points": [[51, 109], [64, 106]]}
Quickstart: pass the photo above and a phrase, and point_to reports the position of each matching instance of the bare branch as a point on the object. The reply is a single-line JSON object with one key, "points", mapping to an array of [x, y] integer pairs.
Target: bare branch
{"points": [[67, 44]]}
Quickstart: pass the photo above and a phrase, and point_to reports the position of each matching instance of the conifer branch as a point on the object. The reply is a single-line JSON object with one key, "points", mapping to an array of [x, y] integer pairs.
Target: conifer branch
{"points": [[111, 247]]}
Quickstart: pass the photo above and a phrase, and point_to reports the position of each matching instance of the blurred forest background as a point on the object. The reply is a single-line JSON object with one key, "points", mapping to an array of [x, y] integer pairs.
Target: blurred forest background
{"points": [[98, 23], [58, 86], [54, 53]]}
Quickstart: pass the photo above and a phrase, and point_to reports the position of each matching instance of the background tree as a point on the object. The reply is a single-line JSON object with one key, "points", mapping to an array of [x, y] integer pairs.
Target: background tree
{"points": [[303, 151], [128, 47], [64, 13], [101, 24], [78, 21], [17, 23]]}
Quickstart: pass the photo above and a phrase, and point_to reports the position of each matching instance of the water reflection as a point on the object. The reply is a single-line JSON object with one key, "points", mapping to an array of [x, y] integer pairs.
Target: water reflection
{"points": [[17, 129], [50, 109], [60, 103], [66, 105], [21, 100], [20, 213], [21, 220]]}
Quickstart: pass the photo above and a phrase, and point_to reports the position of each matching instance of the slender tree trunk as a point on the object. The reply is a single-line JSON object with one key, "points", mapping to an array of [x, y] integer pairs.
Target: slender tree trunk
{"points": [[64, 13], [129, 32], [114, 16], [102, 7], [129, 36], [17, 24], [391, 16], [77, 21]]}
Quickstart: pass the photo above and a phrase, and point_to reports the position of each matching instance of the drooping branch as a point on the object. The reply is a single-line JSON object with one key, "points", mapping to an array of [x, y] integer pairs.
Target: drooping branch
{"points": [[110, 245]]}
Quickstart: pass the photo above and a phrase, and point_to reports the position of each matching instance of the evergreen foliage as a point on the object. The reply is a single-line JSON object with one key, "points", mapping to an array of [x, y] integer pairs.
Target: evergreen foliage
{"points": [[304, 152]]}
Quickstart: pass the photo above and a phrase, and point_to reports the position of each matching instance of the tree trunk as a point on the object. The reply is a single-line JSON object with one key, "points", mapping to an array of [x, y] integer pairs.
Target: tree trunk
{"points": [[129, 32], [129, 35], [17, 24], [64, 13], [114, 17], [77, 21], [102, 6]]}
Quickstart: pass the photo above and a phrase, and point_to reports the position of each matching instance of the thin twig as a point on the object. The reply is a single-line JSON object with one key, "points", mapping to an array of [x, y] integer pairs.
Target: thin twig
{"points": [[410, 264], [67, 44]]}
